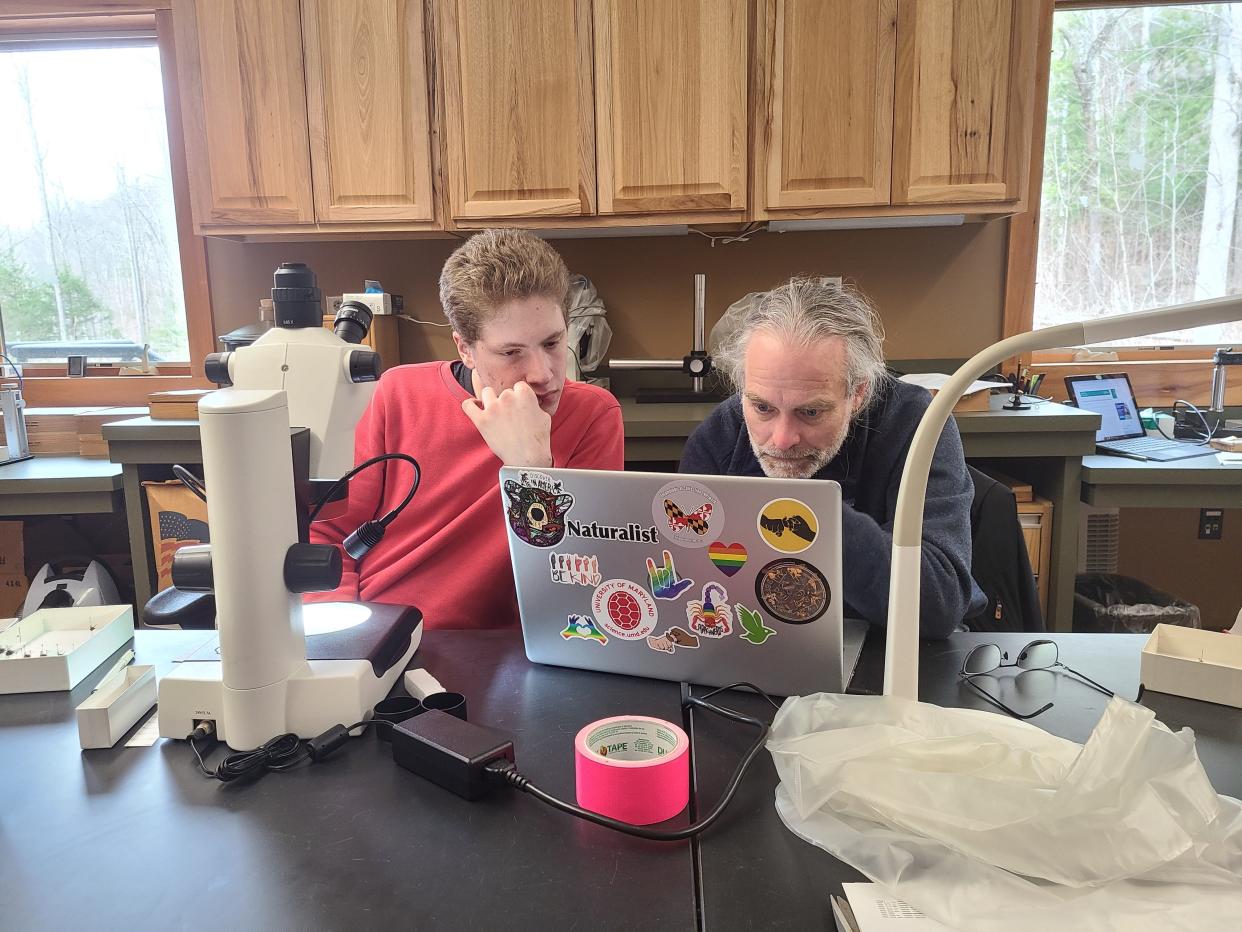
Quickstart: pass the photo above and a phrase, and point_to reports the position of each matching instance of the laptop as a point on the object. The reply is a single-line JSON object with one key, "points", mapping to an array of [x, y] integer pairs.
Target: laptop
{"points": [[1121, 430], [697, 579]]}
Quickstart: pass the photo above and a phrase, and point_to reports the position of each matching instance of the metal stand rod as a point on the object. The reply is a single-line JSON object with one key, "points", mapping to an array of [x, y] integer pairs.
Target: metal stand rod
{"points": [[700, 302]]}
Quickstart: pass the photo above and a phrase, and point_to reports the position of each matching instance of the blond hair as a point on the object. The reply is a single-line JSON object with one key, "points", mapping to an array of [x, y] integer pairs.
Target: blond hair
{"points": [[494, 267]]}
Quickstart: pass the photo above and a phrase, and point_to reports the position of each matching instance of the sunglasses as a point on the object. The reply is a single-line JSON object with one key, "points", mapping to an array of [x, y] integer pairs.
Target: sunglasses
{"points": [[1038, 655]]}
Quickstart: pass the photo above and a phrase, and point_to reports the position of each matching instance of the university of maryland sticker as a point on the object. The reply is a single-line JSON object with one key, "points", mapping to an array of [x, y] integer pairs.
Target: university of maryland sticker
{"points": [[585, 628], [687, 513], [712, 617], [792, 591], [624, 609], [536, 509]]}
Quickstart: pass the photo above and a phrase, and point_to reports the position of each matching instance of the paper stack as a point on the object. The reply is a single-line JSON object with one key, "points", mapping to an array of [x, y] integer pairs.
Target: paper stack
{"points": [[976, 397]]}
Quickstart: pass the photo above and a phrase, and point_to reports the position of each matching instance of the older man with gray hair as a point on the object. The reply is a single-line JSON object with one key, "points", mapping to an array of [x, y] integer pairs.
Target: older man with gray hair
{"points": [[815, 400]]}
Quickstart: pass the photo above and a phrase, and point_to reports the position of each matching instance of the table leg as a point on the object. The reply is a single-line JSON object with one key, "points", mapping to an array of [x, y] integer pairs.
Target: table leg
{"points": [[139, 546], [1066, 500]]}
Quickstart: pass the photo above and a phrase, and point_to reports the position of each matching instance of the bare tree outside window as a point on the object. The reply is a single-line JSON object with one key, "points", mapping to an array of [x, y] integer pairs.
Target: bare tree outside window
{"points": [[1141, 164], [88, 240]]}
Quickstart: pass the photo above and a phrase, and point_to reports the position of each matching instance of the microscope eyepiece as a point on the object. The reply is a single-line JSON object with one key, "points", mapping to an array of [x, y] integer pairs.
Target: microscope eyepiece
{"points": [[353, 321], [296, 299]]}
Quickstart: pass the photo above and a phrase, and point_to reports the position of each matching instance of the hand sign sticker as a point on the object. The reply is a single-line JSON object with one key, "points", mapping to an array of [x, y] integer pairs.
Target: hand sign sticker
{"points": [[664, 581]]}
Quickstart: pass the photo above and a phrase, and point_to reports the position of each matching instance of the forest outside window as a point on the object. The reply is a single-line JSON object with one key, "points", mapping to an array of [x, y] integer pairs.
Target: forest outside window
{"points": [[91, 250], [1140, 205]]}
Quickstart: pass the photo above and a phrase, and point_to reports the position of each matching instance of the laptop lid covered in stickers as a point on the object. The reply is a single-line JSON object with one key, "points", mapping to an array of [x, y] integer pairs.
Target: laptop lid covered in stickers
{"points": [[698, 579]]}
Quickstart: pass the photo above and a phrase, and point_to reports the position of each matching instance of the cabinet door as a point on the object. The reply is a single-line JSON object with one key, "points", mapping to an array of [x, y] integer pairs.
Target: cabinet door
{"points": [[964, 100], [824, 134], [518, 123], [670, 104], [366, 88], [244, 110]]}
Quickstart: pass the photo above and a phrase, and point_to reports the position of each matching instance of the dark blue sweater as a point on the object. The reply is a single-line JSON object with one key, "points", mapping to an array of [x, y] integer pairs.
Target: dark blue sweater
{"points": [[869, 469]]}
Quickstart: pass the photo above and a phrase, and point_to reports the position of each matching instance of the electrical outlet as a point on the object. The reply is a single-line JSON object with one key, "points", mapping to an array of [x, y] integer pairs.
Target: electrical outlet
{"points": [[1210, 522]]}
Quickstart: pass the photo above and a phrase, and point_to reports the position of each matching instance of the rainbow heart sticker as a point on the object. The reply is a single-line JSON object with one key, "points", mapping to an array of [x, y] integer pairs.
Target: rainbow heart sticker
{"points": [[728, 558]]}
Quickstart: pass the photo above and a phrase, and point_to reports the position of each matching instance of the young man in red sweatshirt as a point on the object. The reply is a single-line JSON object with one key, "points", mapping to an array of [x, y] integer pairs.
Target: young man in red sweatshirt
{"points": [[505, 402]]}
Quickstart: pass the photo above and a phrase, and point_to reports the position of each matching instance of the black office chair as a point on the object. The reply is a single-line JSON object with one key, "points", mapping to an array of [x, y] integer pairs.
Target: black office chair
{"points": [[173, 609], [999, 561]]}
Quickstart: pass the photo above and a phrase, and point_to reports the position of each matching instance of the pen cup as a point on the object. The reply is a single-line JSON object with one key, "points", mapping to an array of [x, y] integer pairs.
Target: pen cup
{"points": [[452, 703]]}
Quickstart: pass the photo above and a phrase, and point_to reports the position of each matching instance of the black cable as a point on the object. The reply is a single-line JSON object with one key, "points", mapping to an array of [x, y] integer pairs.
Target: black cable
{"points": [[1208, 430], [284, 752], [388, 518], [21, 382], [505, 772], [190, 481]]}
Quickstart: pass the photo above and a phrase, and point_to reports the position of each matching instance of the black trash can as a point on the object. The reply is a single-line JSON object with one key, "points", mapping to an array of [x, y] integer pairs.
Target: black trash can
{"points": [[1109, 602]]}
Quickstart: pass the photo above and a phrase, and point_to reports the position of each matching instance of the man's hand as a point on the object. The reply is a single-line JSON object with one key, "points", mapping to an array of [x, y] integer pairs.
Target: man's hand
{"points": [[518, 431]]}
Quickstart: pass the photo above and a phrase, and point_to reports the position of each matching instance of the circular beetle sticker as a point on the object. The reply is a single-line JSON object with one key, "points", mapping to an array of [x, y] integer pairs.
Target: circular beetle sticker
{"points": [[792, 591]]}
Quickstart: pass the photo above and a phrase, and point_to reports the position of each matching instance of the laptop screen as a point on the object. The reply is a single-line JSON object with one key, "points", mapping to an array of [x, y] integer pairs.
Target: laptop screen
{"points": [[1111, 398]]}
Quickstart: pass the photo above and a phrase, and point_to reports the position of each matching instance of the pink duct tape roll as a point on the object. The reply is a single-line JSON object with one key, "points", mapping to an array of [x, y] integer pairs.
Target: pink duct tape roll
{"points": [[633, 768]]}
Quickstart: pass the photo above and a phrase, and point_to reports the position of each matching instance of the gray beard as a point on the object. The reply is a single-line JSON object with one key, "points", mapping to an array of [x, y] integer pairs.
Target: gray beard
{"points": [[804, 464]]}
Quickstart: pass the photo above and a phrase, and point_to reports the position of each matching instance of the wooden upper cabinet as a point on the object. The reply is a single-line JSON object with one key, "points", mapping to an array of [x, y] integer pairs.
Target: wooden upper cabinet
{"points": [[518, 123], [367, 107], [244, 110], [824, 108], [670, 104], [964, 100]]}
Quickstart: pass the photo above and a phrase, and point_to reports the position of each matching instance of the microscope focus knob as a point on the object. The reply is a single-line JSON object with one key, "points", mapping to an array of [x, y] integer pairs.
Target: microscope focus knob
{"points": [[312, 568], [364, 366], [191, 568], [216, 368]]}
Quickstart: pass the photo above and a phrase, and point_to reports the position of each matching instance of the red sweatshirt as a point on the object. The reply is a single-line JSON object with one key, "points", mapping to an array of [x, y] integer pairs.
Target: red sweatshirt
{"points": [[446, 553]]}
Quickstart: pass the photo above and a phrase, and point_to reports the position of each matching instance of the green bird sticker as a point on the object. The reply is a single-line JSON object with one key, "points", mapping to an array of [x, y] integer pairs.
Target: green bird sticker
{"points": [[753, 628]]}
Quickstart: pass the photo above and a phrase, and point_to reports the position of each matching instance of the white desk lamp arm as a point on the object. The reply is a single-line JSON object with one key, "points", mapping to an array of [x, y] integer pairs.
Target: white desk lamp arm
{"points": [[901, 659]]}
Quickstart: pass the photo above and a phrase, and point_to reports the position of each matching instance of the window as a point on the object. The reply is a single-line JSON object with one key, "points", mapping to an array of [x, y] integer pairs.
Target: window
{"points": [[88, 237], [1140, 204]]}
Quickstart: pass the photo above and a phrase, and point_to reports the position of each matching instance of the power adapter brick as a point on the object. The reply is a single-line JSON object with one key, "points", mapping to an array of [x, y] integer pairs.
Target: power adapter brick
{"points": [[450, 752]]}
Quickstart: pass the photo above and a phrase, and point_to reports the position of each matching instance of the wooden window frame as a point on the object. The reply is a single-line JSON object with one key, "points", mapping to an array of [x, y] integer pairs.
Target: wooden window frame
{"points": [[1160, 376], [49, 385]]}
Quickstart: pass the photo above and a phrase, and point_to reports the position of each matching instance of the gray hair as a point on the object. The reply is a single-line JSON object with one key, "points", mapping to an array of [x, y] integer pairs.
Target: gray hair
{"points": [[802, 312]]}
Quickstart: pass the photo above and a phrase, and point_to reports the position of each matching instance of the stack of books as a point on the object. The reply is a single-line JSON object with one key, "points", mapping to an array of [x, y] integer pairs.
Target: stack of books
{"points": [[180, 405]]}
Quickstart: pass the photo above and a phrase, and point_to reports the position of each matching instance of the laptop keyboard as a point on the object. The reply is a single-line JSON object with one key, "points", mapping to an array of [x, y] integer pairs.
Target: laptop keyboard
{"points": [[1145, 446]]}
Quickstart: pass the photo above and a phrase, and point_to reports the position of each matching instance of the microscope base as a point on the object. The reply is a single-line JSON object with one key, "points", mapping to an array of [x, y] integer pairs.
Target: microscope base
{"points": [[318, 695]]}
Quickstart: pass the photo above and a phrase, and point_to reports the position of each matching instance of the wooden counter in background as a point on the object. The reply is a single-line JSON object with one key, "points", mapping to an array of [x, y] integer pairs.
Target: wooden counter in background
{"points": [[1043, 445]]}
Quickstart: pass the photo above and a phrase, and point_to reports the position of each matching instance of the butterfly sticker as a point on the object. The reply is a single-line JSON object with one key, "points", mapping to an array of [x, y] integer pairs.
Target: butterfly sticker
{"points": [[695, 521], [688, 513]]}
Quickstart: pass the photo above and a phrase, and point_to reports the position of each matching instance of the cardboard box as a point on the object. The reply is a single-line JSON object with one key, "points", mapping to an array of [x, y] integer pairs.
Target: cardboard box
{"points": [[178, 519], [1194, 663], [12, 548], [13, 589], [115, 706]]}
